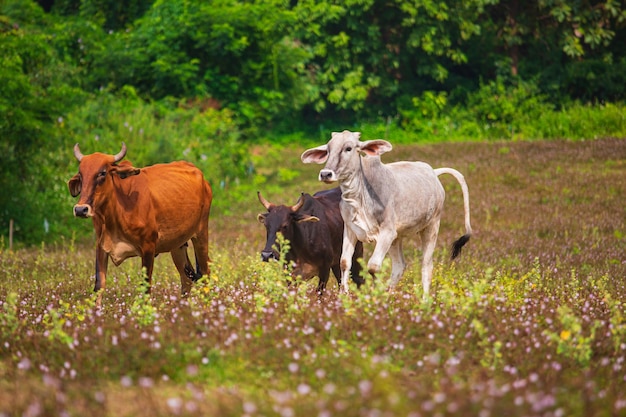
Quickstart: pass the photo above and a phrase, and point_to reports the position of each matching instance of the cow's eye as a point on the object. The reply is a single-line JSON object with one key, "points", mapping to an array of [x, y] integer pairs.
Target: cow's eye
{"points": [[101, 175], [349, 149]]}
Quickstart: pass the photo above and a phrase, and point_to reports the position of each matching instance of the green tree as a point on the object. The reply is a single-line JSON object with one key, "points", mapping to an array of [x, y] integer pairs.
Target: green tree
{"points": [[543, 38], [369, 54], [34, 98], [113, 15], [223, 54]]}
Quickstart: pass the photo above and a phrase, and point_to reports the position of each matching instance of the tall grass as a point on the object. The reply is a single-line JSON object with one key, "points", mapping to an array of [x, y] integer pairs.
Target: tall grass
{"points": [[580, 122], [490, 341]]}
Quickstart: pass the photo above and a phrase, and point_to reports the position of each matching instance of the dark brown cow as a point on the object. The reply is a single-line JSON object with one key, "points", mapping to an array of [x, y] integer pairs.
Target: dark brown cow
{"points": [[314, 229], [144, 212]]}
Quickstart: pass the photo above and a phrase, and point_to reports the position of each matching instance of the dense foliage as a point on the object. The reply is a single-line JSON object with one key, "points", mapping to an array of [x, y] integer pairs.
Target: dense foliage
{"points": [[201, 80]]}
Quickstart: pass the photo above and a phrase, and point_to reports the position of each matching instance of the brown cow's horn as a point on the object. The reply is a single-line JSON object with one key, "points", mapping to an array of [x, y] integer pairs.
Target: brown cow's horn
{"points": [[298, 204], [77, 153], [263, 201], [121, 154]]}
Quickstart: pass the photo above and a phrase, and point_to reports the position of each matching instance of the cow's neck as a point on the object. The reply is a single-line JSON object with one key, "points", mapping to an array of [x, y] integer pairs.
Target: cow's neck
{"points": [[107, 205], [362, 196]]}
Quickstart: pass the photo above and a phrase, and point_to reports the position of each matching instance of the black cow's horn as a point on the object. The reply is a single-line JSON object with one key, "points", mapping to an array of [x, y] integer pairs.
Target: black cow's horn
{"points": [[298, 204], [77, 153], [263, 201], [121, 153]]}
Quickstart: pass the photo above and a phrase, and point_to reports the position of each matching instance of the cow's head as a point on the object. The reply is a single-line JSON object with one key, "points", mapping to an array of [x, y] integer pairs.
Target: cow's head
{"points": [[283, 219], [94, 176], [342, 155]]}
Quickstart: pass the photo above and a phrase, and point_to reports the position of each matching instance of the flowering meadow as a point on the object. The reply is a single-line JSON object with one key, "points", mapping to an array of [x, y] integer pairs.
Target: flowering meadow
{"points": [[530, 321]]}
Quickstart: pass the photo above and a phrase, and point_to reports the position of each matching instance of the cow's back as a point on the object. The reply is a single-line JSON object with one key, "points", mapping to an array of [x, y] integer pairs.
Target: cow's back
{"points": [[418, 195], [330, 196], [322, 239], [329, 201], [180, 200], [407, 193], [415, 175]]}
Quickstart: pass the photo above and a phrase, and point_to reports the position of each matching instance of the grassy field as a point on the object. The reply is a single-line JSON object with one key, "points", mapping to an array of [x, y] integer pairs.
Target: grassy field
{"points": [[529, 322]]}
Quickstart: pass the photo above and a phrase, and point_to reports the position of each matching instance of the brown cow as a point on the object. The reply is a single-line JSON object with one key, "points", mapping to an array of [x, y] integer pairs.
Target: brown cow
{"points": [[144, 212]]}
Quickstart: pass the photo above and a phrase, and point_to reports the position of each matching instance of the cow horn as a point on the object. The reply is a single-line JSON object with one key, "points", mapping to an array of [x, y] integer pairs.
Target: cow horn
{"points": [[118, 157], [77, 153], [263, 201], [298, 204]]}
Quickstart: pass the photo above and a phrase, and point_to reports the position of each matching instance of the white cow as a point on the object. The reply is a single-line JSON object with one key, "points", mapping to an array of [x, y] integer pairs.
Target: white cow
{"points": [[385, 202]]}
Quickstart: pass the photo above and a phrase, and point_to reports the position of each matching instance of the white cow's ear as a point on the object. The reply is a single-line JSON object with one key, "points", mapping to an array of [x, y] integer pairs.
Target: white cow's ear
{"points": [[375, 147], [317, 155]]}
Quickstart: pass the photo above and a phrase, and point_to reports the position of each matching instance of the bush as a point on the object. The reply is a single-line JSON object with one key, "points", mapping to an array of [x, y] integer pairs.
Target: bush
{"points": [[500, 110], [504, 110], [580, 121], [596, 81]]}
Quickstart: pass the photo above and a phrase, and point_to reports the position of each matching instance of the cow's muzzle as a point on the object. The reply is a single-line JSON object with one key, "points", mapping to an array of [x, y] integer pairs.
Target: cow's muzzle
{"points": [[266, 255], [327, 176], [83, 210]]}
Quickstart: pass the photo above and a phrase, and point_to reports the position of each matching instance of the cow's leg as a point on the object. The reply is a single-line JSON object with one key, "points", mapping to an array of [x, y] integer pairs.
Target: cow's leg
{"points": [[384, 242], [189, 270], [102, 263], [201, 249], [182, 262], [355, 271], [337, 273], [429, 241], [147, 261], [398, 263], [324, 274], [347, 250]]}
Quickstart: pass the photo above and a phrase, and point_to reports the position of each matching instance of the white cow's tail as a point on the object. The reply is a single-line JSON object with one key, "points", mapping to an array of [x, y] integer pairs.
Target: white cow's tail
{"points": [[459, 243]]}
